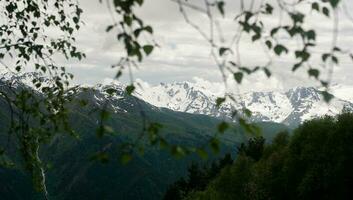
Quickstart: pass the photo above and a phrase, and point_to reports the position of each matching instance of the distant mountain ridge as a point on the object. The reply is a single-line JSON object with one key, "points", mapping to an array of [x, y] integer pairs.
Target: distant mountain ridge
{"points": [[291, 107]]}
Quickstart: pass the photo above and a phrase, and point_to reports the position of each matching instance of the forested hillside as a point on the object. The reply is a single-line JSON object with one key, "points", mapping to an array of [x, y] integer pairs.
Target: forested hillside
{"points": [[314, 163]]}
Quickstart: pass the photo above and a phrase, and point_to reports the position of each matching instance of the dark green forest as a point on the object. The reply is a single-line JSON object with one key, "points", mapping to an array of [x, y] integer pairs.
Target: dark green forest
{"points": [[314, 162]]}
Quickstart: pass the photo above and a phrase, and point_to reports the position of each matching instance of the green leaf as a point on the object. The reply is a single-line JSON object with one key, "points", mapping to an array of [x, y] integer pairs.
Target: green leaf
{"points": [[149, 29], [337, 49], [297, 17], [245, 69], [111, 91], [247, 112], [334, 3], [140, 2], [238, 76], [220, 6], [47, 23], [128, 20], [109, 28], [326, 11], [43, 68], [274, 31], [248, 15], [314, 72], [268, 8], [18, 68], [219, 101], [325, 56], [137, 32], [148, 49], [256, 37], [268, 44], [267, 72], [222, 50], [324, 83], [279, 49], [327, 96], [233, 63], [118, 74], [75, 20], [304, 55], [311, 35], [130, 89], [249, 127], [315, 6], [222, 127], [296, 66]]}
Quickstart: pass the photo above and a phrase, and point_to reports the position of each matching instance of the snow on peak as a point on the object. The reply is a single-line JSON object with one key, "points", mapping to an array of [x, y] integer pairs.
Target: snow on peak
{"points": [[27, 79], [199, 97], [295, 105], [181, 96]]}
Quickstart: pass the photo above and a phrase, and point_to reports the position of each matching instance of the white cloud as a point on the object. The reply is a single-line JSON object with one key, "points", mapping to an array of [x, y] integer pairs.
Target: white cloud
{"points": [[184, 54]]}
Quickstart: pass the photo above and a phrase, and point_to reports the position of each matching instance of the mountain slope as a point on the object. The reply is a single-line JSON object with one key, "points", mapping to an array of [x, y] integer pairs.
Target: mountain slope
{"points": [[74, 176]]}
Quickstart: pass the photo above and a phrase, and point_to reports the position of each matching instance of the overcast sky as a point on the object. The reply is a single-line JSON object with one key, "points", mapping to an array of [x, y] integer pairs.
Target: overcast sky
{"points": [[184, 54]]}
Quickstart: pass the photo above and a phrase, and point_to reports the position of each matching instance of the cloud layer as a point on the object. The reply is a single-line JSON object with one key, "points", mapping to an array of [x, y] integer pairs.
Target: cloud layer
{"points": [[184, 54]]}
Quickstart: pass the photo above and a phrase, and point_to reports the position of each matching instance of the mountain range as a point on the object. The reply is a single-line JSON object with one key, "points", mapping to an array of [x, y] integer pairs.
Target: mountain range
{"points": [[291, 107], [188, 115]]}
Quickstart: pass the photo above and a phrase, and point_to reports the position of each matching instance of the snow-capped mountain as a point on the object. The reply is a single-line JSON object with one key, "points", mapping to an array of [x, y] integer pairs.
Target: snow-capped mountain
{"points": [[24, 79], [183, 97], [290, 107]]}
